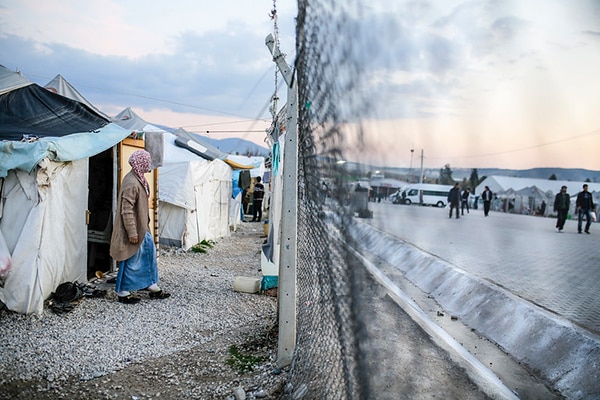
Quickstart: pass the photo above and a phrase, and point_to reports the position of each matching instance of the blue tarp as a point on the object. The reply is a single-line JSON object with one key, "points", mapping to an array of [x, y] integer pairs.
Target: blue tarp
{"points": [[36, 123], [26, 155]]}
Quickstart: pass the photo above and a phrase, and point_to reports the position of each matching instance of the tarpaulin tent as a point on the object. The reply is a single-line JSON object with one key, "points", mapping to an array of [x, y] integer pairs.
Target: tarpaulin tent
{"points": [[60, 85], [45, 186], [194, 195], [197, 146], [194, 191], [531, 192]]}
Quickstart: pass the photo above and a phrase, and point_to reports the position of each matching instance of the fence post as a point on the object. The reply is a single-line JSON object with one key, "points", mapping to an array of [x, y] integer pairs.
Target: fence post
{"points": [[289, 216]]}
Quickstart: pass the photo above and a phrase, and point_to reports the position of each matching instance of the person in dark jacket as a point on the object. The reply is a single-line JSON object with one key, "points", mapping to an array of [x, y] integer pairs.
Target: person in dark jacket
{"points": [[486, 196], [585, 206], [465, 201], [454, 199], [258, 194], [562, 202]]}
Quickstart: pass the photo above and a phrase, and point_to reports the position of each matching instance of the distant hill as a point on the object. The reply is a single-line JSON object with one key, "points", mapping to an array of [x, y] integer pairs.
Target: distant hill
{"points": [[236, 146], [566, 174], [562, 174]]}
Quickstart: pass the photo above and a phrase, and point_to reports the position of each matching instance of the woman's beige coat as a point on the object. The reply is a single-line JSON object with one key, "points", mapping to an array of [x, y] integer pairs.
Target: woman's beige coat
{"points": [[132, 218]]}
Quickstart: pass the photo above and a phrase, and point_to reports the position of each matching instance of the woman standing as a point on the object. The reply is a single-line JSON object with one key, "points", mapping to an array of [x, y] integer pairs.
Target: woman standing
{"points": [[131, 242]]}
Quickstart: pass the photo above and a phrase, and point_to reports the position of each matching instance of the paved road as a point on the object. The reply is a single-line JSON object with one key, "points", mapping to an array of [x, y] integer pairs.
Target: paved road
{"points": [[523, 254]]}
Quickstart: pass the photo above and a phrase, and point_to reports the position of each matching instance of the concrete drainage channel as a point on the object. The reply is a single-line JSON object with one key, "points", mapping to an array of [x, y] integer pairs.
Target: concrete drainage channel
{"points": [[559, 353]]}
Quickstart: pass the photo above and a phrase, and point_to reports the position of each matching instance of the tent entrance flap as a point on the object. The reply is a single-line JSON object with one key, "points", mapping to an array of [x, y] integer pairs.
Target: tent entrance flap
{"points": [[100, 211]]}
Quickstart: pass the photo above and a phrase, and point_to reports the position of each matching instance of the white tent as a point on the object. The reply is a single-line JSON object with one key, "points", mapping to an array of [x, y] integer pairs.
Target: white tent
{"points": [[194, 196], [128, 119], [528, 193], [501, 183], [44, 253], [61, 86], [258, 162], [45, 190]]}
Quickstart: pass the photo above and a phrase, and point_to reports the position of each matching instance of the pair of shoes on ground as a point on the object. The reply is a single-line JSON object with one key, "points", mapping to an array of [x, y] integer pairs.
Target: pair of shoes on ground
{"points": [[130, 299], [161, 294], [559, 230]]}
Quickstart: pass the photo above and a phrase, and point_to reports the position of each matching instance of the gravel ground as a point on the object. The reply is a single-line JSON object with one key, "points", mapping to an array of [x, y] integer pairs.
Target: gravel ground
{"points": [[181, 347], [176, 348]]}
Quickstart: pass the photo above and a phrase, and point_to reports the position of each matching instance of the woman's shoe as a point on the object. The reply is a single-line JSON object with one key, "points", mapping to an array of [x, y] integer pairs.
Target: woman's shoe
{"points": [[161, 294], [129, 299]]}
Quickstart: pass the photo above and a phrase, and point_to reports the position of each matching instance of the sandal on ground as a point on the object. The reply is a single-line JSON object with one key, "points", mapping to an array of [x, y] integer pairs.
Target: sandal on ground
{"points": [[129, 299], [161, 294]]}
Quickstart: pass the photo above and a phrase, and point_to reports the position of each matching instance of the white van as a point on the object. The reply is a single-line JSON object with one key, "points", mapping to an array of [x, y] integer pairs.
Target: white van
{"points": [[425, 194]]}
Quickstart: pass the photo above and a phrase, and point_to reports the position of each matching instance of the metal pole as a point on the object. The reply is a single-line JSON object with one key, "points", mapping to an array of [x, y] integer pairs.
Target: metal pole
{"points": [[412, 151], [289, 216], [421, 180]]}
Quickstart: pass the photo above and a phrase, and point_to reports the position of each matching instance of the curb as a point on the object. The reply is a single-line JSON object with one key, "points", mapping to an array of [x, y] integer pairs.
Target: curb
{"points": [[563, 354]]}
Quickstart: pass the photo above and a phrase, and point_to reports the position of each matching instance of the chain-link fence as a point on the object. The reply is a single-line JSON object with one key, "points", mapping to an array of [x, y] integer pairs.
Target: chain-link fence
{"points": [[373, 78], [328, 362]]}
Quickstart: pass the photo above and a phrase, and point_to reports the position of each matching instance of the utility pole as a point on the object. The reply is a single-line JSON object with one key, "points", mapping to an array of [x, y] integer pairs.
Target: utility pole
{"points": [[286, 295], [421, 180], [410, 169]]}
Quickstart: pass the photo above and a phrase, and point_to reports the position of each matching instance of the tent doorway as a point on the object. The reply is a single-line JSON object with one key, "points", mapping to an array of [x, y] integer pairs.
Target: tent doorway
{"points": [[101, 189]]}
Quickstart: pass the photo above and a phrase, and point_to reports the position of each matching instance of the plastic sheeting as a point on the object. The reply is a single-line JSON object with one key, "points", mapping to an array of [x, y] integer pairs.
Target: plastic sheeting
{"points": [[195, 196], [195, 199], [25, 156], [44, 226], [33, 110]]}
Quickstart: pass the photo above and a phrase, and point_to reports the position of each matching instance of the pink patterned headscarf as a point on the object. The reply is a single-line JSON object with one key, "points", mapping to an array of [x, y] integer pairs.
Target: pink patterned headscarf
{"points": [[140, 164]]}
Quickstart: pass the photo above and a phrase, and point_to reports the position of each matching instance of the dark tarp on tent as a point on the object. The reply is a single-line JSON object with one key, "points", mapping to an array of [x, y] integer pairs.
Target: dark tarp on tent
{"points": [[33, 110], [64, 129], [60, 85], [198, 146]]}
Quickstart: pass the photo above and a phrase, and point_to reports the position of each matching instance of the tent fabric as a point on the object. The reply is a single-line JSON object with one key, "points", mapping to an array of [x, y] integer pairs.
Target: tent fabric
{"points": [[60, 85], [202, 192], [26, 155], [236, 165], [128, 119], [502, 183], [33, 110], [66, 129], [270, 254], [44, 253], [45, 182], [256, 164], [198, 146], [10, 81], [194, 196]]}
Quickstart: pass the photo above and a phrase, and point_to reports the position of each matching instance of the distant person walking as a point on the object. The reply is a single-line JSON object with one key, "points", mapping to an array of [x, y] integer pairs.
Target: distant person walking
{"points": [[454, 199], [562, 202], [486, 196], [585, 206], [258, 194], [465, 201]]}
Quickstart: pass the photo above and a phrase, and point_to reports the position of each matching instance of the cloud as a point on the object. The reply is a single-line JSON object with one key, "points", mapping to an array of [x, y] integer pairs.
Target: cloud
{"points": [[207, 73], [592, 33]]}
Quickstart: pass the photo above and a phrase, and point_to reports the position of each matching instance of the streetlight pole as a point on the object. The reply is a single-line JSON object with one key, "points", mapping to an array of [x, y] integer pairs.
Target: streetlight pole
{"points": [[421, 181], [410, 169]]}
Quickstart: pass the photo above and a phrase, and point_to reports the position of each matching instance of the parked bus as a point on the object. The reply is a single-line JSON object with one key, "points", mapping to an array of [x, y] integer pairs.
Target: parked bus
{"points": [[424, 194]]}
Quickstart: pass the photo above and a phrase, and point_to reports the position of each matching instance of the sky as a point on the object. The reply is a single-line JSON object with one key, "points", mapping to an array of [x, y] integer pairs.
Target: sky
{"points": [[185, 63], [473, 84]]}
